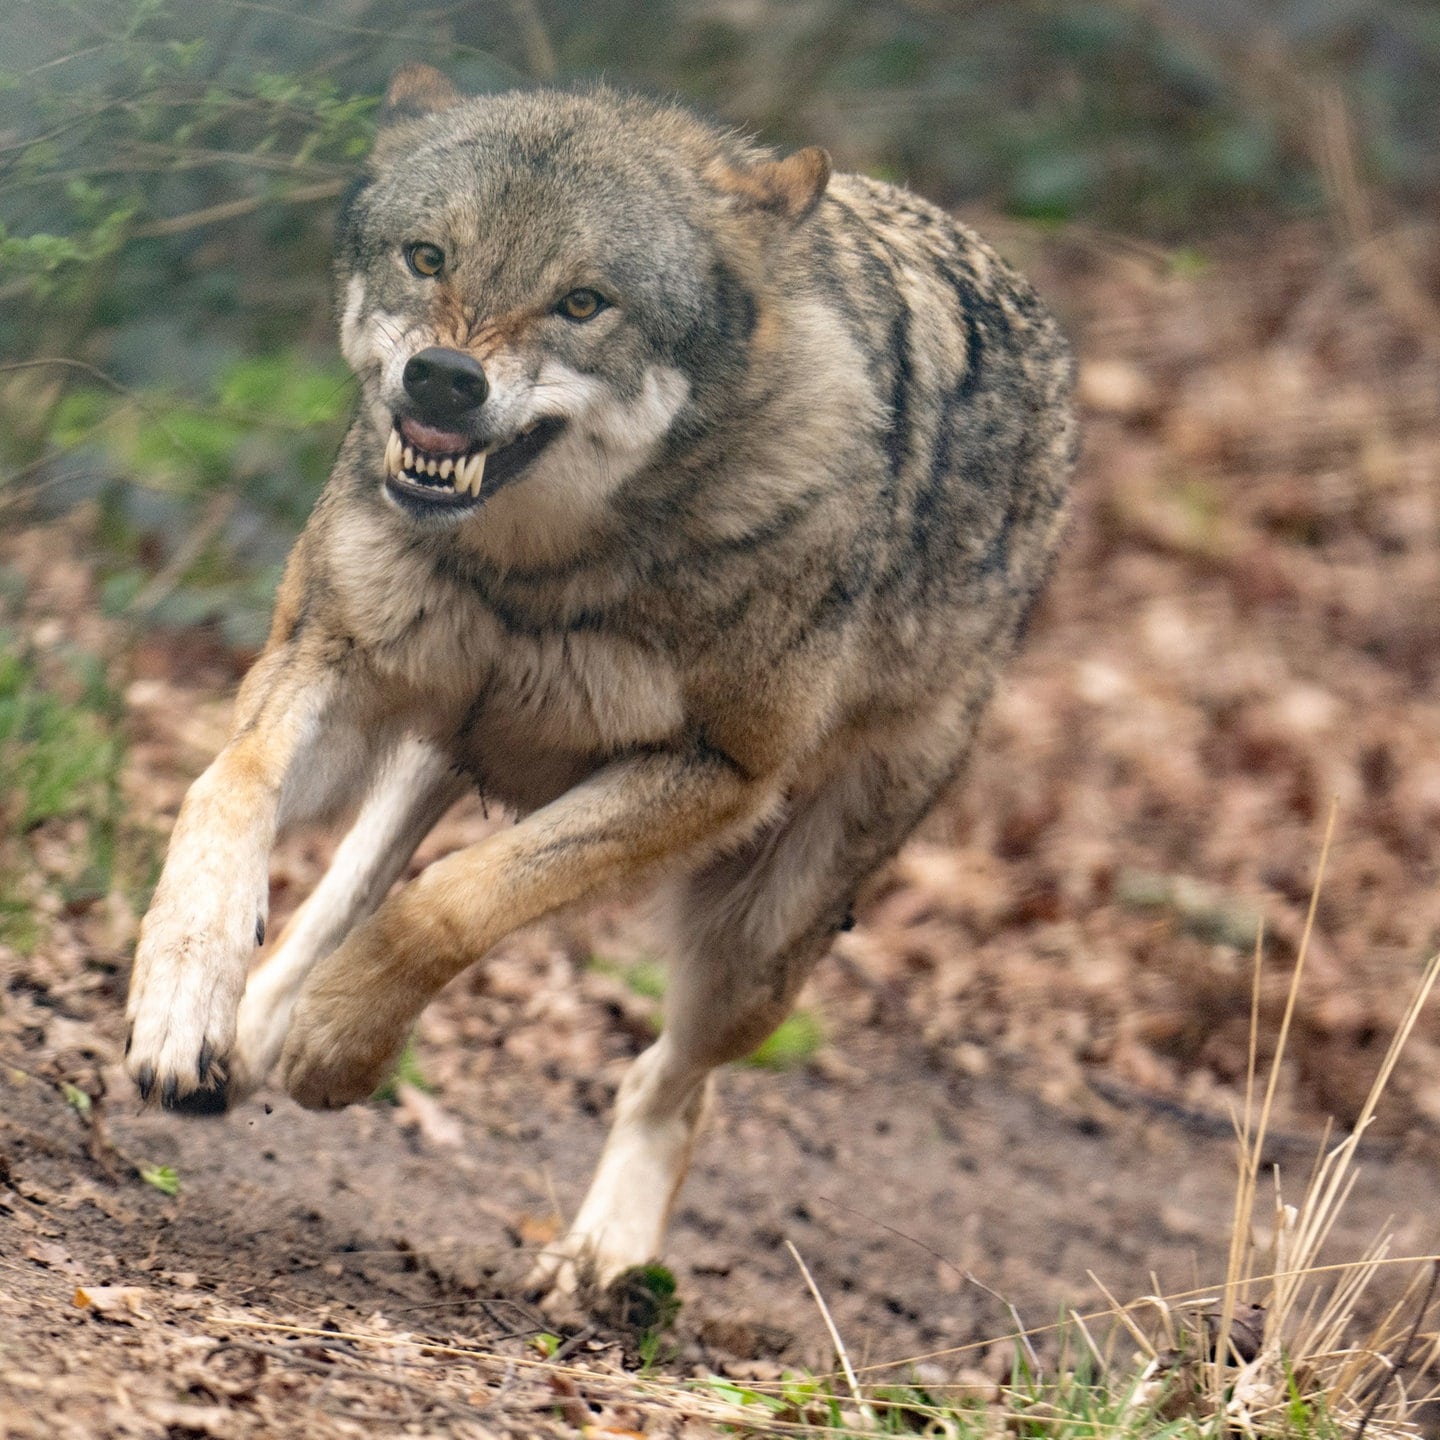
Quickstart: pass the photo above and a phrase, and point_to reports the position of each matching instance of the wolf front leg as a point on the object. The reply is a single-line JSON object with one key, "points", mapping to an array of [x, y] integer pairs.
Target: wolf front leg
{"points": [[626, 821], [289, 755], [415, 787]]}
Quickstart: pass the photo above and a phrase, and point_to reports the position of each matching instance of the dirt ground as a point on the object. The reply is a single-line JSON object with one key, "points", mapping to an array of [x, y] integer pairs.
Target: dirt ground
{"points": [[1031, 1042]]}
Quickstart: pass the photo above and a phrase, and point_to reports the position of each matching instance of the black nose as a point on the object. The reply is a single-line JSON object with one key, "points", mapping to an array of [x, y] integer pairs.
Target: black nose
{"points": [[445, 384]]}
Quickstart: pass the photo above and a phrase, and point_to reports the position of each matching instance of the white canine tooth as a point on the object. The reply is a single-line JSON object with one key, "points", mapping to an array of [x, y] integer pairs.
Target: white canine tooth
{"points": [[445, 467], [392, 453], [409, 459], [477, 470]]}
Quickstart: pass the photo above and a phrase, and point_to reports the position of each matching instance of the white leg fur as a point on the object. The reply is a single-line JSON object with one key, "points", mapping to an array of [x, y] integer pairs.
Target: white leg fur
{"points": [[413, 791], [200, 930], [622, 1222]]}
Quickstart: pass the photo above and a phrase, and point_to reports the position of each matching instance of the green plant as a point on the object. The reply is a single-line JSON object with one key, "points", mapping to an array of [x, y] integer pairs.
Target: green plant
{"points": [[799, 1036], [59, 748], [645, 978], [407, 1072], [163, 1177]]}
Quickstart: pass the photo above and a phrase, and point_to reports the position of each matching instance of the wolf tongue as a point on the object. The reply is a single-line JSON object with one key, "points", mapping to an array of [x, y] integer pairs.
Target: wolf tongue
{"points": [[437, 442]]}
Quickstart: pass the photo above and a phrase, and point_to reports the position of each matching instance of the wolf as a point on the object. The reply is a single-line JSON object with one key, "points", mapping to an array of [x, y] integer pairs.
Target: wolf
{"points": [[693, 501]]}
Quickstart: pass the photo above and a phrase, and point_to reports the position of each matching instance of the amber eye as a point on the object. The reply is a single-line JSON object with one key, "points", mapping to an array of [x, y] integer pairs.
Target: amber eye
{"points": [[581, 305], [424, 260]]}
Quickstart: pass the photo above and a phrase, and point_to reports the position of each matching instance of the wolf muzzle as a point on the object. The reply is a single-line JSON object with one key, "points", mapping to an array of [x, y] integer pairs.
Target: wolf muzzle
{"points": [[445, 385]]}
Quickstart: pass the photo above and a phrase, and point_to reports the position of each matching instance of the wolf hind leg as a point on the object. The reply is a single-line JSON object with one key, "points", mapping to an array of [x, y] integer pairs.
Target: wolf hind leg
{"points": [[413, 790], [749, 927]]}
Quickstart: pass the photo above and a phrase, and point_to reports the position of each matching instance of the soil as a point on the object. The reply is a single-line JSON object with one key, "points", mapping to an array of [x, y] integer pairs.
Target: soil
{"points": [[1033, 1041]]}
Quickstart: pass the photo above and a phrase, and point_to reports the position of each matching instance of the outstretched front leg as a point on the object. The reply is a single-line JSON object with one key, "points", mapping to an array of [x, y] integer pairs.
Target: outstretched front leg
{"points": [[358, 1007], [297, 742]]}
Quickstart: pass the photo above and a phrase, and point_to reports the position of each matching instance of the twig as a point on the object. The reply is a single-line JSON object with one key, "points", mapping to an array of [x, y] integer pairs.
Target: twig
{"points": [[1021, 1332], [330, 1369], [570, 1346], [213, 519], [234, 209], [825, 1315]]}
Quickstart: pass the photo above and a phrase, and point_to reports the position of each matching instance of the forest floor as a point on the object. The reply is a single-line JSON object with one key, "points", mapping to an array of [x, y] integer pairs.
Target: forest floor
{"points": [[1016, 1093]]}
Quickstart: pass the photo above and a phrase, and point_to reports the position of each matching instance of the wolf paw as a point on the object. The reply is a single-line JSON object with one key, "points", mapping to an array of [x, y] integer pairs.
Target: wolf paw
{"points": [[337, 1053], [574, 1271], [181, 1013]]}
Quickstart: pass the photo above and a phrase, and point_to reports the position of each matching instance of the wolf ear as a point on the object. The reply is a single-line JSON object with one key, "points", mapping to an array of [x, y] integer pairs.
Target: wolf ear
{"points": [[416, 90], [790, 188]]}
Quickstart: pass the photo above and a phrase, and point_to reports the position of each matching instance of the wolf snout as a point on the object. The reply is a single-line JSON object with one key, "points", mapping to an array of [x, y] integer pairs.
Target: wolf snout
{"points": [[445, 385]]}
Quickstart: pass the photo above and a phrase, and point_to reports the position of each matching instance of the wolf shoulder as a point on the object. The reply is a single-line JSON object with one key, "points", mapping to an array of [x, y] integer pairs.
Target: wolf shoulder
{"points": [[895, 252]]}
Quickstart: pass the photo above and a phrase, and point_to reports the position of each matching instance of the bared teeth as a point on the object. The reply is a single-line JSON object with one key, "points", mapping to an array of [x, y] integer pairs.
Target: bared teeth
{"points": [[464, 472]]}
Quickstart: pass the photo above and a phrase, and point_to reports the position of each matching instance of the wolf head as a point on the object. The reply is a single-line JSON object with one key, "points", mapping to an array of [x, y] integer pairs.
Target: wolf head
{"points": [[551, 290]]}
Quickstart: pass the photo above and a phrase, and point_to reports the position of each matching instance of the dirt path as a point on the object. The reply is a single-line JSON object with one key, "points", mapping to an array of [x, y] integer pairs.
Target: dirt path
{"points": [[890, 1183]]}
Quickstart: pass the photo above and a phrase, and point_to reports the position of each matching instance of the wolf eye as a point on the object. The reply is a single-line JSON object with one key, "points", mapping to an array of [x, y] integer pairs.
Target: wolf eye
{"points": [[424, 260], [581, 305]]}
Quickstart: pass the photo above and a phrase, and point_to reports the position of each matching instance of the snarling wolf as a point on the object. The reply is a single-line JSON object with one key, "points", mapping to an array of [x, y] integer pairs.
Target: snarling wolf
{"points": [[693, 501]]}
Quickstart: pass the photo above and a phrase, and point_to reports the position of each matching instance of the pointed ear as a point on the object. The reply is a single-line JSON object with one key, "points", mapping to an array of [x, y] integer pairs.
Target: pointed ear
{"points": [[416, 90], [790, 188]]}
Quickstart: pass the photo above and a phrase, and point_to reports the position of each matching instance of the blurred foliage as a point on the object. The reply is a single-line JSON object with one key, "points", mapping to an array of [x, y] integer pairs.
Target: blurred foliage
{"points": [[57, 753], [796, 1041], [168, 173], [60, 757]]}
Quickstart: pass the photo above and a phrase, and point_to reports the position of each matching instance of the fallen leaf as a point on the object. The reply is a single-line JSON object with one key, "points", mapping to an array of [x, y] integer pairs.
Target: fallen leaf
{"points": [[51, 1255], [536, 1230], [116, 1302], [162, 1177]]}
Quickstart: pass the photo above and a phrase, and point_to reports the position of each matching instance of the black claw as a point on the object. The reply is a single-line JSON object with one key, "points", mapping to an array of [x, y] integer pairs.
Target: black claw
{"points": [[129, 1039], [170, 1093], [848, 923], [259, 929], [202, 1064], [145, 1081]]}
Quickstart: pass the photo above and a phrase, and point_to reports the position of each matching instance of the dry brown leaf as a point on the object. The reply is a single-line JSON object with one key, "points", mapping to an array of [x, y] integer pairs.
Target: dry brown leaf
{"points": [[533, 1230], [51, 1255], [115, 1302]]}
